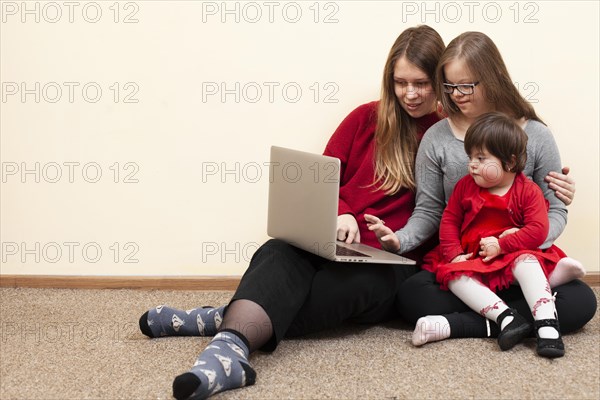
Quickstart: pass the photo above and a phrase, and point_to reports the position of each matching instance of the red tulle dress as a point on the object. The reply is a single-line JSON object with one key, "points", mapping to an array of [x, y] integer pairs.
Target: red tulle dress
{"points": [[492, 219]]}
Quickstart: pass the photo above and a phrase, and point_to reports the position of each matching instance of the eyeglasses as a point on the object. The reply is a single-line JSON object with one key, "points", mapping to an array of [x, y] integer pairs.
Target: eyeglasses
{"points": [[464, 88]]}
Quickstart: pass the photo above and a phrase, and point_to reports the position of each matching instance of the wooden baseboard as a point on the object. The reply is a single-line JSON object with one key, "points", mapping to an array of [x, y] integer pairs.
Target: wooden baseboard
{"points": [[150, 282], [592, 279], [122, 282]]}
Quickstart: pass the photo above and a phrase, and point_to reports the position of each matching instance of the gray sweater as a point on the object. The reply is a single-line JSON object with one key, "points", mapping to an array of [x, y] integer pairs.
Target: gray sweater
{"points": [[442, 161]]}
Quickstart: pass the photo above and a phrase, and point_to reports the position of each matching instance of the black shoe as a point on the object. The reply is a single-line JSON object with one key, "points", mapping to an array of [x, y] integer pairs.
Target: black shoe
{"points": [[517, 330], [551, 348]]}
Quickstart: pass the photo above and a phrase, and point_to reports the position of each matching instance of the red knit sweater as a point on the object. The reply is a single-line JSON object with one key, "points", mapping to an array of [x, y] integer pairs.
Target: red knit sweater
{"points": [[527, 207], [353, 143]]}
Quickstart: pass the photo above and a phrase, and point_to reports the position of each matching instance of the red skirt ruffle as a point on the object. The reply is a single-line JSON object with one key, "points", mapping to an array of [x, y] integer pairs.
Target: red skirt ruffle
{"points": [[495, 274]]}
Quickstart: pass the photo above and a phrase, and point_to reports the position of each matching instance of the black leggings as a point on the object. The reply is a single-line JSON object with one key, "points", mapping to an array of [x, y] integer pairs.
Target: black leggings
{"points": [[303, 293], [420, 295]]}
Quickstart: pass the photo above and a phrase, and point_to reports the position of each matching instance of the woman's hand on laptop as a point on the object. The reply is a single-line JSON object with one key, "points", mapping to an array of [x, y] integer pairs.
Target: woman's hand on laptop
{"points": [[347, 229], [388, 240]]}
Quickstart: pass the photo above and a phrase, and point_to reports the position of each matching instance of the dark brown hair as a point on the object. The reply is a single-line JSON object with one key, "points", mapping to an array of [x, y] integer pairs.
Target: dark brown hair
{"points": [[502, 137]]}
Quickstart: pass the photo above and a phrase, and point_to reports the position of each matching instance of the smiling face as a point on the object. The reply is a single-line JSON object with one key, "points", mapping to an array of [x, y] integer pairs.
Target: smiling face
{"points": [[472, 106], [413, 88]]}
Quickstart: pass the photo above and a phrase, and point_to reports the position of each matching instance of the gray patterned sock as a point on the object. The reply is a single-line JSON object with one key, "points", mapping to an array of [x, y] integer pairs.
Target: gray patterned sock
{"points": [[223, 365], [166, 321]]}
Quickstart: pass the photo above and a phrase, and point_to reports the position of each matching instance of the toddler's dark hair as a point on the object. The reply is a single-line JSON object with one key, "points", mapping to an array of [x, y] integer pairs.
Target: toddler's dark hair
{"points": [[502, 137]]}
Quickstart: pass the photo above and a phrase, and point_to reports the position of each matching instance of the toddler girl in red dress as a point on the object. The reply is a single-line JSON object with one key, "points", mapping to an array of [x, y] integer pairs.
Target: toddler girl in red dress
{"points": [[490, 233]]}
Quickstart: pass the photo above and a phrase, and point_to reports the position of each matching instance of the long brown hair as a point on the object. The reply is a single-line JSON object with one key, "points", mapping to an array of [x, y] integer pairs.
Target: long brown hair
{"points": [[487, 67], [396, 133]]}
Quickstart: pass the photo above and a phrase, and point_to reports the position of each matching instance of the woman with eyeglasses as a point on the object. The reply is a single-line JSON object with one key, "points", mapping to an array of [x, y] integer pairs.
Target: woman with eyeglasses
{"points": [[473, 80]]}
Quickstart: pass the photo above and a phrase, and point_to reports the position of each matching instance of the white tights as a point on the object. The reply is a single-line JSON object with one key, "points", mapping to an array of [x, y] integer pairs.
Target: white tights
{"points": [[536, 289]]}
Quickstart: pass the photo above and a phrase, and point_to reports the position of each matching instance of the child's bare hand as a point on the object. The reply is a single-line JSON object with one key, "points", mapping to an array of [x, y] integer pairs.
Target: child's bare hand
{"points": [[490, 248], [508, 232], [388, 240], [461, 257]]}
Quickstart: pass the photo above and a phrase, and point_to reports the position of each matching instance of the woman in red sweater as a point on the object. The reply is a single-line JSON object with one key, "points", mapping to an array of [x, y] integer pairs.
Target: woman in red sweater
{"points": [[288, 292]]}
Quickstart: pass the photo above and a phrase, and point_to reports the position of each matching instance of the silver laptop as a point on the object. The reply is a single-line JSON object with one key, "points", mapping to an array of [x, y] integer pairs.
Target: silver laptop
{"points": [[303, 206]]}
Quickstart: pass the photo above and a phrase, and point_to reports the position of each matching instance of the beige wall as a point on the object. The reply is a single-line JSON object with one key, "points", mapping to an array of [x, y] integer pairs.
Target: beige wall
{"points": [[124, 133]]}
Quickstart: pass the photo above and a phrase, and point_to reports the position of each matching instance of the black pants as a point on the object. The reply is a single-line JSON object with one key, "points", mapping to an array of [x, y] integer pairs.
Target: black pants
{"points": [[303, 293], [420, 295]]}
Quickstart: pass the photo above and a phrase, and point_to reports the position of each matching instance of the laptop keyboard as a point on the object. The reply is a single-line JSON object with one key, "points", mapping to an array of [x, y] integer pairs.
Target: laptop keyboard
{"points": [[344, 251]]}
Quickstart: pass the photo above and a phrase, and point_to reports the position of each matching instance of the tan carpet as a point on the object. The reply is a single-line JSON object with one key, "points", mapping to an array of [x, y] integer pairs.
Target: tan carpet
{"points": [[85, 344]]}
